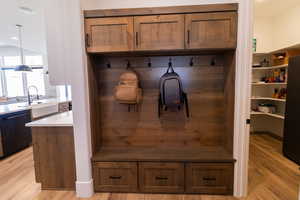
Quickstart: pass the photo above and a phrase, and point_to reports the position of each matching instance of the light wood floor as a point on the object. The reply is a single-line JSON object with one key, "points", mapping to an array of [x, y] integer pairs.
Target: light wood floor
{"points": [[271, 177]]}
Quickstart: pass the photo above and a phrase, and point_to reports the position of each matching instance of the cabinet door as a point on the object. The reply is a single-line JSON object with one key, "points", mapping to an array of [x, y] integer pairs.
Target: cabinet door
{"points": [[161, 32], [15, 136], [109, 34], [115, 176], [161, 177], [211, 30], [214, 178], [64, 40]]}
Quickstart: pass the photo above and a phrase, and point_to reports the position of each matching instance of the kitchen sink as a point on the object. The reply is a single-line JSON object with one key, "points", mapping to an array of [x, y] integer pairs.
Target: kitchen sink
{"points": [[43, 109]]}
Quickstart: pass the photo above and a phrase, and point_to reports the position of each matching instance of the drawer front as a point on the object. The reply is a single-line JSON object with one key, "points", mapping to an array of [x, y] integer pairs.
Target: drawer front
{"points": [[209, 178], [115, 177], [161, 177]]}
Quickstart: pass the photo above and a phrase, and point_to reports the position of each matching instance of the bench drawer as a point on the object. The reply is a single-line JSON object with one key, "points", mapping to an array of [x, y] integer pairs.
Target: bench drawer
{"points": [[115, 176], [216, 178], [161, 177]]}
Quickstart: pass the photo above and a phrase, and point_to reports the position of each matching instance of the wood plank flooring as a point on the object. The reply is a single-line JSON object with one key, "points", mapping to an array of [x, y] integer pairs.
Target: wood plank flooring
{"points": [[271, 177]]}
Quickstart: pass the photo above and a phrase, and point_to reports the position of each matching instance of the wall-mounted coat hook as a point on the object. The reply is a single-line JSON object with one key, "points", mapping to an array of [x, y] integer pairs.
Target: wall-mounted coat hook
{"points": [[128, 64], [213, 62], [149, 62], [192, 62], [170, 62], [108, 65]]}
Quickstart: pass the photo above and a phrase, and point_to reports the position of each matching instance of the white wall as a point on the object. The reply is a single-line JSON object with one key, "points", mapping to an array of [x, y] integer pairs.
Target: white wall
{"points": [[263, 33], [286, 28], [279, 31]]}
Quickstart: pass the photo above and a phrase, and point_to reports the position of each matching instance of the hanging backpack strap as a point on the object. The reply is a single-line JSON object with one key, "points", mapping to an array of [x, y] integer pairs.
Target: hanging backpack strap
{"points": [[186, 105], [170, 66]]}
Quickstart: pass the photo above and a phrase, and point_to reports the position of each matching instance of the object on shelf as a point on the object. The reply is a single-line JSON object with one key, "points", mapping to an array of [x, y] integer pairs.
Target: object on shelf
{"points": [[282, 93], [265, 63], [267, 108], [254, 45], [276, 93], [282, 58], [256, 65], [275, 76]]}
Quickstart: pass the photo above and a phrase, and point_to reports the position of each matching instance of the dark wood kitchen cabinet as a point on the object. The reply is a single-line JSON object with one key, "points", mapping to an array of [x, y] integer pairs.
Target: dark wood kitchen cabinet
{"points": [[159, 32], [109, 34], [14, 135], [211, 30]]}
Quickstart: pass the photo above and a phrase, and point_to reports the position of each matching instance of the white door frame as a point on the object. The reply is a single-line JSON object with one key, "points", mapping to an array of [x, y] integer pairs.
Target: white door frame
{"points": [[242, 98]]}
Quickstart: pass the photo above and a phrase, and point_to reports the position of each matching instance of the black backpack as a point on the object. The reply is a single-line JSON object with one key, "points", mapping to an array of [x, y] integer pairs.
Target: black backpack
{"points": [[171, 92]]}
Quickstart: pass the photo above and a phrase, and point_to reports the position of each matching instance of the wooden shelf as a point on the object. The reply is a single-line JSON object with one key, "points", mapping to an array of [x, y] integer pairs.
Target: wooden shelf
{"points": [[270, 68], [269, 83], [204, 154], [260, 53], [268, 98], [267, 114]]}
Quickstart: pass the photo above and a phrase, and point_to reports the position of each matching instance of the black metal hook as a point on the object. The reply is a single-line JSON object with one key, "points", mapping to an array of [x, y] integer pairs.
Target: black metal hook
{"points": [[149, 62], [128, 64], [108, 65], [213, 62], [170, 62], [192, 62]]}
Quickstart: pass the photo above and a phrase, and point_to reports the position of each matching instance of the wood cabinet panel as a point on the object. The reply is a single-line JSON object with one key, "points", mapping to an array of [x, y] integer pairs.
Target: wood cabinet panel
{"points": [[55, 144], [209, 178], [115, 177], [109, 34], [161, 177], [160, 32], [211, 30]]}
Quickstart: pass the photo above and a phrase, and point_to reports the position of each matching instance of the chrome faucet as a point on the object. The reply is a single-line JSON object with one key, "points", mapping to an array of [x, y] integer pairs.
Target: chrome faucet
{"points": [[28, 94]]}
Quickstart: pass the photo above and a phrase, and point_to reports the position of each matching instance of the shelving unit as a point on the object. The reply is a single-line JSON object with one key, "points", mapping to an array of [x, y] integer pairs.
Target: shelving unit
{"points": [[263, 93], [270, 68], [267, 98], [269, 83], [267, 114]]}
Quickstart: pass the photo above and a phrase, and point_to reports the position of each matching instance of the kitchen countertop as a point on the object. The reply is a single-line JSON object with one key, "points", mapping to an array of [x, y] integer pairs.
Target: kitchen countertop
{"points": [[58, 120], [16, 107]]}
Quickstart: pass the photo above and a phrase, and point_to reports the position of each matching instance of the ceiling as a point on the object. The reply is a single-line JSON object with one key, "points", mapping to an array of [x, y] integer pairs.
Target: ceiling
{"points": [[31, 17], [269, 8]]}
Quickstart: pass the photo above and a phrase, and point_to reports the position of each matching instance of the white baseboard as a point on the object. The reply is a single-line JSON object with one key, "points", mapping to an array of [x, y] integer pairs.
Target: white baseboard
{"points": [[84, 189]]}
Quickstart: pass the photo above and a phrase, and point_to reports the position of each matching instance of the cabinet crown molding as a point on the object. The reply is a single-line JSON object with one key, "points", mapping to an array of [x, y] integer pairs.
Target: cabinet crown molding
{"points": [[161, 10]]}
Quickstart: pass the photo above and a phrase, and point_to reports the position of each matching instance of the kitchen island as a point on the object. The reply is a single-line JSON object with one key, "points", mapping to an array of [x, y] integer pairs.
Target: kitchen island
{"points": [[53, 151]]}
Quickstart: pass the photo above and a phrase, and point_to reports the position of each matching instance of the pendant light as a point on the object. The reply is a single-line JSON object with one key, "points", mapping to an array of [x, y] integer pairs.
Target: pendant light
{"points": [[22, 67]]}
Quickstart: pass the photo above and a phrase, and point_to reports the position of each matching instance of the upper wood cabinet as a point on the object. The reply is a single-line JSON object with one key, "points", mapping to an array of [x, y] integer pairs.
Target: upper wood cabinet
{"points": [[109, 34], [211, 30], [165, 28], [160, 32]]}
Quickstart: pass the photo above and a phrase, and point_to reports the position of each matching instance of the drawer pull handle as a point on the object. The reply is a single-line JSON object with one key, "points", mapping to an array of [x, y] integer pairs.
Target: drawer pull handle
{"points": [[115, 177], [161, 178], [209, 179]]}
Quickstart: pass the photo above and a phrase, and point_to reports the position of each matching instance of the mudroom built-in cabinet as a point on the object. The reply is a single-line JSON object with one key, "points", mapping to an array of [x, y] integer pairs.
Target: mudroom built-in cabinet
{"points": [[138, 150]]}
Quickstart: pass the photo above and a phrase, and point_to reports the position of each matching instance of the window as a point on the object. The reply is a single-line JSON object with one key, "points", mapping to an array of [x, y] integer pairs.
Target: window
{"points": [[10, 61], [36, 78], [34, 60], [14, 83]]}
